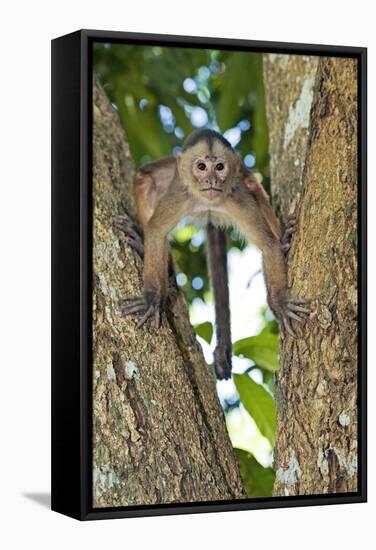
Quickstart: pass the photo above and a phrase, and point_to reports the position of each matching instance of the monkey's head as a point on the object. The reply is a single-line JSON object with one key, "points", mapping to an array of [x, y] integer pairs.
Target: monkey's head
{"points": [[208, 165]]}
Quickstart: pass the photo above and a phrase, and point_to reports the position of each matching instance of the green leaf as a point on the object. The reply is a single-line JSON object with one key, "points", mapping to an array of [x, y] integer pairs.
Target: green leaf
{"points": [[237, 85], [259, 404], [258, 481], [262, 349], [261, 138], [205, 330], [269, 380]]}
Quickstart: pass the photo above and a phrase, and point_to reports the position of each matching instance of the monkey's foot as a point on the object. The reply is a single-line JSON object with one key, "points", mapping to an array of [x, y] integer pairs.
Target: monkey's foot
{"points": [[222, 363], [289, 231], [149, 306], [290, 311], [133, 237]]}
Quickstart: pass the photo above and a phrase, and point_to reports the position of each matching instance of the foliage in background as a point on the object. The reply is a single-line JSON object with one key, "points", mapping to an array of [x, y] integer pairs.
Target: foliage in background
{"points": [[226, 85], [258, 481], [257, 398], [161, 95]]}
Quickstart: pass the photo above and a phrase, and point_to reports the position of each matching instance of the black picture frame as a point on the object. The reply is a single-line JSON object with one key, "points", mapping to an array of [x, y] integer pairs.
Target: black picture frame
{"points": [[71, 274]]}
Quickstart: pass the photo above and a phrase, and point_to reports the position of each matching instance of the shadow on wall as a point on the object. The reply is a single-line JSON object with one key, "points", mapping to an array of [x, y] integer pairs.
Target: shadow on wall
{"points": [[43, 499]]}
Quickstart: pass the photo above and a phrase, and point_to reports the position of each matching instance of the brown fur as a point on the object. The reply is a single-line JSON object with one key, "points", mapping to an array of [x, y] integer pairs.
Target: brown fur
{"points": [[169, 189], [209, 182]]}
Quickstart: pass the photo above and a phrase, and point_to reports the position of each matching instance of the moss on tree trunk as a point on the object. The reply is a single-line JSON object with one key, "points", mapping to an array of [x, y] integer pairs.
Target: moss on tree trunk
{"points": [[159, 434], [312, 117]]}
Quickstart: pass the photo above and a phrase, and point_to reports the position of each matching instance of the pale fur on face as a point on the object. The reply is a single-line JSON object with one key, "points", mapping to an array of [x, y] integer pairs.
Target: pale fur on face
{"points": [[210, 186]]}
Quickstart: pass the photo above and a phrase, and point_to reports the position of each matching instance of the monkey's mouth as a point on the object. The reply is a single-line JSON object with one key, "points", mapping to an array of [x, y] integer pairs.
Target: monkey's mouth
{"points": [[212, 189]]}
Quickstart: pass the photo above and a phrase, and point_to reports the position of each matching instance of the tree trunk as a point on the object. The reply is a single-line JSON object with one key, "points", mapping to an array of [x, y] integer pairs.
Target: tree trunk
{"points": [[159, 434], [312, 118]]}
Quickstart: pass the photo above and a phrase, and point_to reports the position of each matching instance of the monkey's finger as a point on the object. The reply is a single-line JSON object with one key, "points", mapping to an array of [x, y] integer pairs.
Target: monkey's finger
{"points": [[132, 233], [295, 307], [290, 229], [135, 308], [129, 226], [134, 239], [288, 327], [138, 302], [123, 218], [292, 315], [147, 315], [287, 234], [121, 224], [127, 230], [137, 245], [125, 224], [133, 299], [299, 301]]}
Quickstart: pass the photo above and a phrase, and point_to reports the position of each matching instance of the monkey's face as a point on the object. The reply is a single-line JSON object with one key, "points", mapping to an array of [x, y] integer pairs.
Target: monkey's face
{"points": [[208, 171]]}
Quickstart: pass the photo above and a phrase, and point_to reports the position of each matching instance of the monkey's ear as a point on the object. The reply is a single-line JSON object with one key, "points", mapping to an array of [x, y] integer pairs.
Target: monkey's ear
{"points": [[253, 185]]}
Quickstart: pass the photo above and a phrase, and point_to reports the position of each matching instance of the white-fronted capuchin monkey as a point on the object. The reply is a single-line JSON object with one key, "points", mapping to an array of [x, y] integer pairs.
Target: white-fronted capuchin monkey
{"points": [[207, 180]]}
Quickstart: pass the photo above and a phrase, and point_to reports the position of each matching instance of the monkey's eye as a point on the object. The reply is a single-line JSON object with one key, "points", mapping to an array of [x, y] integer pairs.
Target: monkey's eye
{"points": [[201, 166], [219, 166]]}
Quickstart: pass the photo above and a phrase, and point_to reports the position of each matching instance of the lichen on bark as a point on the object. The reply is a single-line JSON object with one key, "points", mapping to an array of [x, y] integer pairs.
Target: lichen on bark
{"points": [[315, 171], [159, 434], [289, 82]]}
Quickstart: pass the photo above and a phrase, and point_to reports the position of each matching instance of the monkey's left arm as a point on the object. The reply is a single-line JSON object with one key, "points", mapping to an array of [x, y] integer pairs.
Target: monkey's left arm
{"points": [[169, 211], [255, 219]]}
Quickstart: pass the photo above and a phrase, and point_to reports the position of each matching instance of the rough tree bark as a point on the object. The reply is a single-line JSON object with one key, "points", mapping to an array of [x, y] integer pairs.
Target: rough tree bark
{"points": [[159, 434], [312, 118]]}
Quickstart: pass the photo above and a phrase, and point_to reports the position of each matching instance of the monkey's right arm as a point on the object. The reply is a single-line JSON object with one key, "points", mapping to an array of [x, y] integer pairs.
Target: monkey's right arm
{"points": [[262, 200], [256, 220], [168, 212]]}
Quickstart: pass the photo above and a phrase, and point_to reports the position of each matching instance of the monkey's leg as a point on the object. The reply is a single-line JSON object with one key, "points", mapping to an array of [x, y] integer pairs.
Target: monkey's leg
{"points": [[133, 235], [217, 260]]}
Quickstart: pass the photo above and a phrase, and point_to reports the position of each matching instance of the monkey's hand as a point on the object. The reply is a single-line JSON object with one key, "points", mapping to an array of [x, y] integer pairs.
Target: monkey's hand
{"points": [[222, 362], [133, 235], [149, 306], [290, 229], [286, 310]]}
